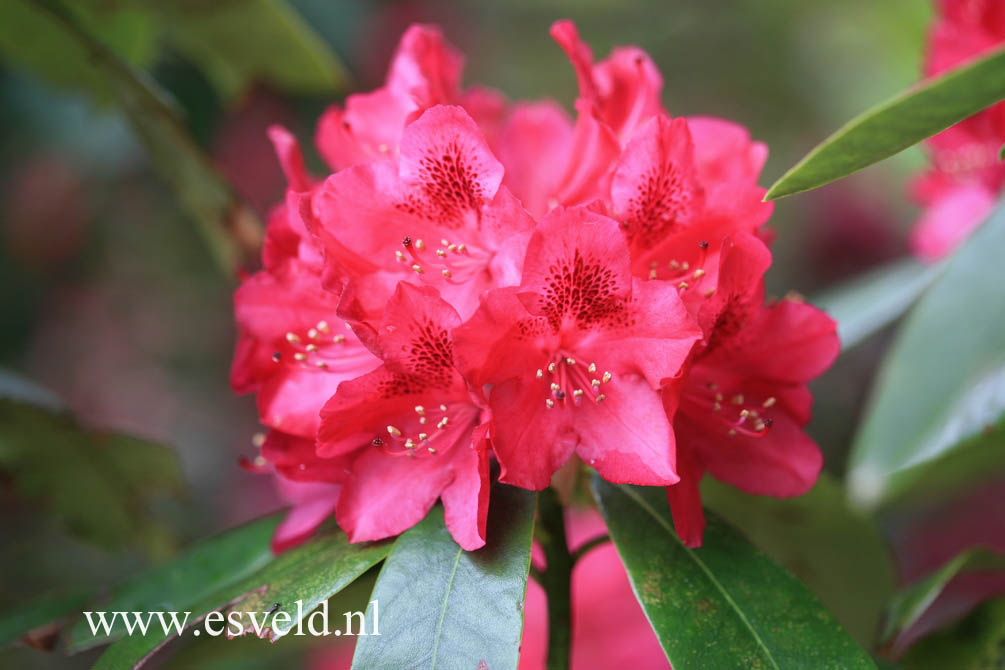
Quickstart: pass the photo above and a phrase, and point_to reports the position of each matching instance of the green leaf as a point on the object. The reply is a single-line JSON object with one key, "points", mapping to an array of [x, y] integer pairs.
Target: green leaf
{"points": [[99, 484], [240, 43], [896, 124], [915, 600], [970, 462], [443, 607], [48, 609], [309, 582], [944, 378], [725, 604], [176, 585], [976, 643], [28, 41], [834, 549], [232, 232], [871, 301], [312, 572]]}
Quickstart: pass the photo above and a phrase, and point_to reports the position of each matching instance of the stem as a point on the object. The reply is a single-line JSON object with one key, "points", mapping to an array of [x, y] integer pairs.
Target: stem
{"points": [[556, 578], [586, 547]]}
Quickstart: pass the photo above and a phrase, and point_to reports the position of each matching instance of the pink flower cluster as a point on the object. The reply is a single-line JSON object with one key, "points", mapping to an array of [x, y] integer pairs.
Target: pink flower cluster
{"points": [[966, 175], [481, 279]]}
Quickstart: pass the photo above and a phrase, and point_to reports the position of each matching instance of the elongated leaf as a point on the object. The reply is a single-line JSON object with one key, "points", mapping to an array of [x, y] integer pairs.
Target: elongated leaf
{"points": [[870, 302], [443, 607], [25, 618], [892, 126], [911, 603], [976, 643], [971, 462], [312, 572], [100, 485], [239, 43], [834, 549], [944, 378], [27, 41], [229, 227], [725, 605], [298, 590], [174, 586]]}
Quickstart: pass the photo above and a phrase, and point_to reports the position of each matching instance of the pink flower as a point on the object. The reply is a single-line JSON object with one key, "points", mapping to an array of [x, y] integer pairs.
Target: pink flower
{"points": [[437, 216], [966, 175], [417, 431], [601, 281], [576, 355], [740, 410], [311, 486], [293, 349], [425, 71]]}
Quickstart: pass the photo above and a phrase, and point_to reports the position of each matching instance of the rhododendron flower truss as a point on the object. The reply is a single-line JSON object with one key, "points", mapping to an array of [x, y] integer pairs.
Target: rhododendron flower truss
{"points": [[417, 431], [575, 357], [744, 402], [437, 216]]}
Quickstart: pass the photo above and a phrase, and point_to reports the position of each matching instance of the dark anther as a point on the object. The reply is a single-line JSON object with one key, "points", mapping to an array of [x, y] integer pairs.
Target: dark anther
{"points": [[276, 356], [560, 395], [768, 422], [703, 244], [407, 242], [377, 442]]}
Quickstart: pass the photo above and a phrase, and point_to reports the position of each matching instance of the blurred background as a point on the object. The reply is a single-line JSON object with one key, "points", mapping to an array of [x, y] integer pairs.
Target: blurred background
{"points": [[110, 299]]}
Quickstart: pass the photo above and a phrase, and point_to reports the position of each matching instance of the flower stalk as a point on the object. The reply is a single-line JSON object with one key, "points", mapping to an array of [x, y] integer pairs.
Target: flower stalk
{"points": [[556, 579]]}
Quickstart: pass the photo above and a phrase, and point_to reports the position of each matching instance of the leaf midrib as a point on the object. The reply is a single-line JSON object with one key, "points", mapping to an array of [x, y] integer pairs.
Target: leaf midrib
{"points": [[704, 568], [443, 610]]}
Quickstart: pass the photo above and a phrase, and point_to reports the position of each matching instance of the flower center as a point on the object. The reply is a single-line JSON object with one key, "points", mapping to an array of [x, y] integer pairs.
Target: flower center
{"points": [[452, 262], [319, 348], [427, 430], [688, 275], [572, 381], [733, 413]]}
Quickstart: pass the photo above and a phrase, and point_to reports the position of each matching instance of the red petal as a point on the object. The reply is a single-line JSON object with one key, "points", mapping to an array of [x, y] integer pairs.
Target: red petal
{"points": [[685, 499], [655, 188], [447, 163], [627, 437], [783, 462], [535, 148], [387, 495]]}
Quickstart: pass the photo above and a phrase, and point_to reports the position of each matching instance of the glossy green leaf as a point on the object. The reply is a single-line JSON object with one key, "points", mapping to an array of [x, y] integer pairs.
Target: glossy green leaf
{"points": [[231, 230], [911, 603], [892, 126], [174, 586], [944, 378], [874, 300], [239, 43], [834, 549], [969, 463], [443, 607], [25, 618], [312, 572], [100, 485], [976, 643], [309, 582], [724, 605]]}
